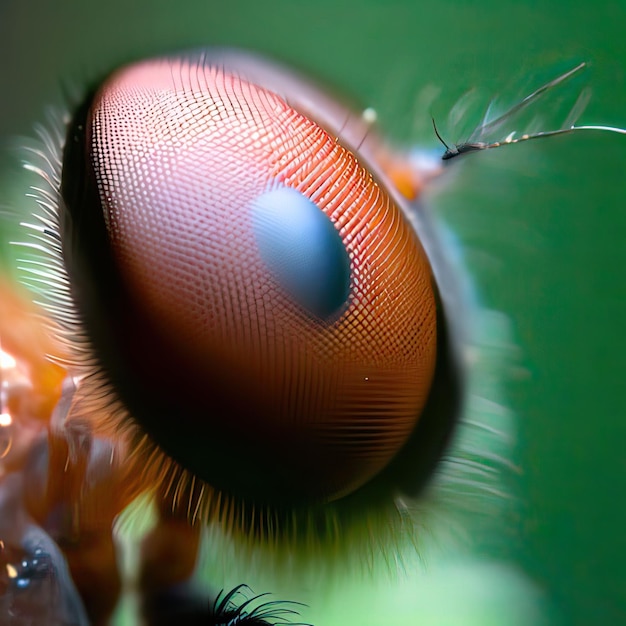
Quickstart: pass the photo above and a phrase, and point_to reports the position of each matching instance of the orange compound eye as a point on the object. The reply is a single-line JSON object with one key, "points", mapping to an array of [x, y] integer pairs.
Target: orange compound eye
{"points": [[255, 297]]}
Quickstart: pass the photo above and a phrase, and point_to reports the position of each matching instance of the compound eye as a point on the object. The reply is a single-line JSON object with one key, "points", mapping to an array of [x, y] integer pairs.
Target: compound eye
{"points": [[256, 299]]}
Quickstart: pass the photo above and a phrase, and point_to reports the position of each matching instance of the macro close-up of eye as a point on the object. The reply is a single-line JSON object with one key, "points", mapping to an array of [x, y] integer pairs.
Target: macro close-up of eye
{"points": [[270, 355], [229, 252], [255, 322]]}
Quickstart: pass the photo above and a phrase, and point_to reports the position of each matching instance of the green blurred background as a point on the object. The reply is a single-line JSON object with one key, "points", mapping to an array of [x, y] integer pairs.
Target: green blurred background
{"points": [[544, 224]]}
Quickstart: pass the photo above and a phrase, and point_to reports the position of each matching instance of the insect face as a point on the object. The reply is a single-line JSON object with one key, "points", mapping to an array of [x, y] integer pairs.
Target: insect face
{"points": [[256, 326]]}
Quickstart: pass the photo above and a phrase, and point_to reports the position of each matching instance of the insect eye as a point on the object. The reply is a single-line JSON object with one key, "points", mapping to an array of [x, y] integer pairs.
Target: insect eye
{"points": [[258, 301]]}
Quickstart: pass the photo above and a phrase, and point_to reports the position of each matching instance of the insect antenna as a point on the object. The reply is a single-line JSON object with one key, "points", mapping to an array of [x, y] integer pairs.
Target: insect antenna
{"points": [[495, 124], [475, 144], [448, 149]]}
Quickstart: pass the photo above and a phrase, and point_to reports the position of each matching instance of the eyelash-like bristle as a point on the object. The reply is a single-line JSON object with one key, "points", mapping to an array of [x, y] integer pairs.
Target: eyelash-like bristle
{"points": [[226, 612], [41, 266]]}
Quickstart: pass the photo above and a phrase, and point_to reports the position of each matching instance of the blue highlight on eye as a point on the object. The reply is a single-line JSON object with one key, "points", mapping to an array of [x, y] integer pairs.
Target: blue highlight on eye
{"points": [[302, 249]]}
